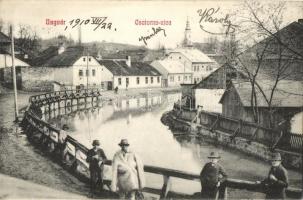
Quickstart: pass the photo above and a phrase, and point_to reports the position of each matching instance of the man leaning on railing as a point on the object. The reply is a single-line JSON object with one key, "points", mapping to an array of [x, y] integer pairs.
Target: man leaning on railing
{"points": [[277, 180], [96, 158], [213, 177]]}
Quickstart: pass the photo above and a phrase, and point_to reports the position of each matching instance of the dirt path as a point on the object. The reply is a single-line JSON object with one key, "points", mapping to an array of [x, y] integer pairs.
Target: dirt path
{"points": [[20, 159]]}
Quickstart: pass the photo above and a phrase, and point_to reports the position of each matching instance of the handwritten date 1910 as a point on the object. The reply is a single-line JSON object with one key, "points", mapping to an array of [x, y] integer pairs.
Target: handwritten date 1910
{"points": [[99, 22]]}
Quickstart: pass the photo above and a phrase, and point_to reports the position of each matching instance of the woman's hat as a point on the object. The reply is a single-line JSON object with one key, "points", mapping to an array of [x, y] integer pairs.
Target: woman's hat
{"points": [[124, 142], [214, 155], [276, 157], [96, 143]]}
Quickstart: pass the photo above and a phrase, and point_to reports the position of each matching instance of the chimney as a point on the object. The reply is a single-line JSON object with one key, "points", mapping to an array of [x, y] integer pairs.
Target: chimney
{"points": [[99, 57], [128, 61], [300, 21], [61, 48], [79, 35]]}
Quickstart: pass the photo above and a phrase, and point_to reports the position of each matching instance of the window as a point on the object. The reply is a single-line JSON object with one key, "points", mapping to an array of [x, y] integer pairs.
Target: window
{"points": [[89, 59], [194, 68], [146, 80], [179, 57], [127, 81], [102, 85], [94, 72], [158, 79], [138, 80], [119, 81], [185, 78], [171, 78], [198, 68], [151, 79], [87, 72], [179, 78], [84, 59], [80, 72]]}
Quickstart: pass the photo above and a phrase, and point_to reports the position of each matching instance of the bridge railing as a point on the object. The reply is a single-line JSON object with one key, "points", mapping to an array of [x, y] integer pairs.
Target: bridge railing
{"points": [[63, 95], [73, 155]]}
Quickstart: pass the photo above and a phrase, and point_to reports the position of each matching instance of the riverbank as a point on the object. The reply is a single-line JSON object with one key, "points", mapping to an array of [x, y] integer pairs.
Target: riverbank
{"points": [[138, 92], [18, 158]]}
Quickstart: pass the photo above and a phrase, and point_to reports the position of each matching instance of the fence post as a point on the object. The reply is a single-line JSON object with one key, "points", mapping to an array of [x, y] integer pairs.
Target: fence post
{"points": [[166, 186]]}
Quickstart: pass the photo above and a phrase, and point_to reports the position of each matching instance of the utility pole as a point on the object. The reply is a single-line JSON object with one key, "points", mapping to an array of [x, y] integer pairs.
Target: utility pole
{"points": [[87, 72], [14, 72]]}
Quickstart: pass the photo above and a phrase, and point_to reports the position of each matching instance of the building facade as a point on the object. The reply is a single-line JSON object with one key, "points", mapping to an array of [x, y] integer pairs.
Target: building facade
{"points": [[194, 60], [125, 74], [173, 73], [287, 101]]}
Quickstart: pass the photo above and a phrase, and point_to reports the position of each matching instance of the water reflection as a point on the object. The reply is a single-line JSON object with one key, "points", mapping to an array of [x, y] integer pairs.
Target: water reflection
{"points": [[138, 120]]}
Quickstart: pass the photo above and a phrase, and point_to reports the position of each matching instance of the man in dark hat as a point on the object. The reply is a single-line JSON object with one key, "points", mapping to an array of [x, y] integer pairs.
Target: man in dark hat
{"points": [[277, 179], [211, 177], [95, 158]]}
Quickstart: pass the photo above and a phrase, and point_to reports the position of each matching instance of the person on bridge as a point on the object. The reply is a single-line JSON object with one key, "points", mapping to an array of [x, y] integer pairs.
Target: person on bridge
{"points": [[96, 158], [212, 178], [277, 179], [128, 173]]}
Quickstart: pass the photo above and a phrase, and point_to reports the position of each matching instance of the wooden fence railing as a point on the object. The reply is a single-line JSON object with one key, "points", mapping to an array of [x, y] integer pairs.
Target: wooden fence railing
{"points": [[251, 131], [73, 154]]}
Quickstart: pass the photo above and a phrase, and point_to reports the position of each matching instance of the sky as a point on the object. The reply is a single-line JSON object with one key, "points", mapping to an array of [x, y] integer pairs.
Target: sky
{"points": [[123, 15]]}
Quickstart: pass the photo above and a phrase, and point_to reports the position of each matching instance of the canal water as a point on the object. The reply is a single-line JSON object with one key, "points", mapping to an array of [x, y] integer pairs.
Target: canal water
{"points": [[138, 120]]}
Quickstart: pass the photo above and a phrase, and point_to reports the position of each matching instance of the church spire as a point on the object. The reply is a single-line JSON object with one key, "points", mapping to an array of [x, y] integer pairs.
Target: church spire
{"points": [[187, 35]]}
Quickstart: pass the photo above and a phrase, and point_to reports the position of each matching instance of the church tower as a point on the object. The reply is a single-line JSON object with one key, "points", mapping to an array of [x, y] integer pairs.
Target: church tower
{"points": [[187, 35]]}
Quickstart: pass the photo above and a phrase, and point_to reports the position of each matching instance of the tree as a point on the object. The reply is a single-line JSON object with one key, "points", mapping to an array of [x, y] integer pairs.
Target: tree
{"points": [[273, 52], [28, 40]]}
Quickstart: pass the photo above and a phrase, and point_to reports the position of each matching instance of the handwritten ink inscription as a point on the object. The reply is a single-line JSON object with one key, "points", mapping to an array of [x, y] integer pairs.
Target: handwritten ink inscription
{"points": [[155, 32], [98, 22], [210, 15]]}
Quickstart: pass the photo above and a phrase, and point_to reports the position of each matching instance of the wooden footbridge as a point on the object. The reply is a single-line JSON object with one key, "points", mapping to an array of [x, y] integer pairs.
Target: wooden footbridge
{"points": [[72, 154]]}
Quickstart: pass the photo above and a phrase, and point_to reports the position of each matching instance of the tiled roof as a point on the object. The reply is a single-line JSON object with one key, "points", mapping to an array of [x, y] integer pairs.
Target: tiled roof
{"points": [[45, 56], [120, 68], [17, 56], [4, 38], [173, 66], [65, 59], [287, 94], [292, 38], [194, 55]]}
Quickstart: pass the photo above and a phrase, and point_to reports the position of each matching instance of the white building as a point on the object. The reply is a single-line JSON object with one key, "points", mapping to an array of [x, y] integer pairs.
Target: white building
{"points": [[6, 60], [126, 74], [173, 72], [73, 68], [194, 60]]}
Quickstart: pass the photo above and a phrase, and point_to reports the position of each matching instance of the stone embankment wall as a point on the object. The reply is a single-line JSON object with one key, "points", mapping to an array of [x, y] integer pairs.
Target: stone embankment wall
{"points": [[183, 121]]}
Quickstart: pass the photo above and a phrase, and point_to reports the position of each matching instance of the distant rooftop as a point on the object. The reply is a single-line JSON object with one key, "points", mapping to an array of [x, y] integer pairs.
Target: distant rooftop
{"points": [[173, 66], [287, 94], [4, 38], [194, 55], [120, 68], [51, 58]]}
